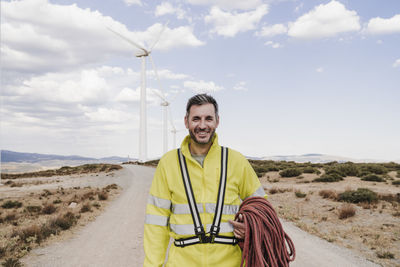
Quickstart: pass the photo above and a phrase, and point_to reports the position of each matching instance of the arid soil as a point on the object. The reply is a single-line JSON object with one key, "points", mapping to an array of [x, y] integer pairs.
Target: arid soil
{"points": [[374, 230], [114, 238]]}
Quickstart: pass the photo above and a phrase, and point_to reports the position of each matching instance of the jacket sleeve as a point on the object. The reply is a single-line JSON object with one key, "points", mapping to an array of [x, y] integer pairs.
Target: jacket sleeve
{"points": [[250, 184], [158, 210]]}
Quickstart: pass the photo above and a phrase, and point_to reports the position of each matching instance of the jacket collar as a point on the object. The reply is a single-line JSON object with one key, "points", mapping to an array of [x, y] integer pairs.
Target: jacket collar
{"points": [[185, 146]]}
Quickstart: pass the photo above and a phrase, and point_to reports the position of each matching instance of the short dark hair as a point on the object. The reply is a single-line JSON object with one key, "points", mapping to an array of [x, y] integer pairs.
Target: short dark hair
{"points": [[201, 99]]}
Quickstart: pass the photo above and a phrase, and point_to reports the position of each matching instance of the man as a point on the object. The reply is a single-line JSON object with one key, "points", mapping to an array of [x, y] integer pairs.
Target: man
{"points": [[169, 213]]}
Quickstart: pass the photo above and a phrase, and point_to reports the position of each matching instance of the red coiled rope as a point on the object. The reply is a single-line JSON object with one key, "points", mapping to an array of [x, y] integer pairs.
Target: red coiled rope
{"points": [[265, 241]]}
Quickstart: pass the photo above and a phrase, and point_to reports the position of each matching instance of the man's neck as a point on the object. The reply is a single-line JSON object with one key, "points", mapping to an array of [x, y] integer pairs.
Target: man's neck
{"points": [[199, 149]]}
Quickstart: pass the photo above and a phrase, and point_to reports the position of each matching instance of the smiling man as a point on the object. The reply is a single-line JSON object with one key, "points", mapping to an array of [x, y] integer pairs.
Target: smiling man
{"points": [[195, 194]]}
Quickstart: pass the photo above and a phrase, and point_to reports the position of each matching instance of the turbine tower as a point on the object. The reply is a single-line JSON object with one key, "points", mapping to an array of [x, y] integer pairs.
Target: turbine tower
{"points": [[143, 53]]}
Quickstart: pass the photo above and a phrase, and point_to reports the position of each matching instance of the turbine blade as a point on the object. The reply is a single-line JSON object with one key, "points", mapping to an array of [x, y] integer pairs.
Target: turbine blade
{"points": [[127, 39], [158, 37]]}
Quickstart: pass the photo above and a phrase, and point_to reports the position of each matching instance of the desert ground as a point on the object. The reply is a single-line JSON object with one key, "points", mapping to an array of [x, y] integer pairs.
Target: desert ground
{"points": [[110, 234]]}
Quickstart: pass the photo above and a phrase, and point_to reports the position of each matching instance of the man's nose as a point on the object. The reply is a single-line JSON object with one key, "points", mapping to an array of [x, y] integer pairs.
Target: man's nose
{"points": [[202, 124]]}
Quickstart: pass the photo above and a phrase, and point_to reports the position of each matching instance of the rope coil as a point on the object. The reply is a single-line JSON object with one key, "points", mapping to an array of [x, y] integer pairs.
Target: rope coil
{"points": [[265, 240]]}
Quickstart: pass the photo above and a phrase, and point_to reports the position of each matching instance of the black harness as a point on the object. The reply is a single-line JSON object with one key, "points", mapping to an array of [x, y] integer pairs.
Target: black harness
{"points": [[201, 236]]}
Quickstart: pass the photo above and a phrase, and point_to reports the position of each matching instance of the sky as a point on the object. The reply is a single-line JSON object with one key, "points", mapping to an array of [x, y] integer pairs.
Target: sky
{"points": [[291, 76]]}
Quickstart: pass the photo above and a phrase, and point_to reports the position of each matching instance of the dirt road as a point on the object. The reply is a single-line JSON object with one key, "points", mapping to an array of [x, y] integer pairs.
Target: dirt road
{"points": [[115, 238]]}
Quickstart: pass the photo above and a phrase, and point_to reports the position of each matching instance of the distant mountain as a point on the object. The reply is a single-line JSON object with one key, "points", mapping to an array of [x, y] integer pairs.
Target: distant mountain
{"points": [[12, 156], [317, 158]]}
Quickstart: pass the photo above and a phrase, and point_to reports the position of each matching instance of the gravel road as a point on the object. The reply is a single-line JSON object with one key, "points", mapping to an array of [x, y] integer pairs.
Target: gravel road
{"points": [[115, 238]]}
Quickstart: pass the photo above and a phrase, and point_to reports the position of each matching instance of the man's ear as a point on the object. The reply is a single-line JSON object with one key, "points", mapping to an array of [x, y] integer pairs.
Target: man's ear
{"points": [[186, 122], [217, 119]]}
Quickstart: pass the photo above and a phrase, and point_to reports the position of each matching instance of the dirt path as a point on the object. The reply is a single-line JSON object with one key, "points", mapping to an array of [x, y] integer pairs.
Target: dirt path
{"points": [[116, 237]]}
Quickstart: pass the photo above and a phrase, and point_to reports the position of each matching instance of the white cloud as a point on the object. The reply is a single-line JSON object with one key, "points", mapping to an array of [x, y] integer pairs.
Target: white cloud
{"points": [[384, 26], [229, 4], [202, 86], [167, 74], [379, 42], [108, 115], [240, 86], [171, 38], [133, 2], [273, 44], [269, 31], [37, 31], [230, 23], [325, 21], [166, 8], [396, 63], [320, 69]]}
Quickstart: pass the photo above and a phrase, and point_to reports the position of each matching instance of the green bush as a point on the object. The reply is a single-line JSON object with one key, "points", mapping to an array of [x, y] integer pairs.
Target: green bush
{"points": [[329, 178], [373, 178], [360, 195], [300, 194], [309, 169], [11, 204], [33, 208], [374, 168], [291, 172], [397, 182]]}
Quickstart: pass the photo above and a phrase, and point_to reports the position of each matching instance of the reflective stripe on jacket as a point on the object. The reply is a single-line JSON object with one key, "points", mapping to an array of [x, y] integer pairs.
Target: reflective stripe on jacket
{"points": [[168, 213]]}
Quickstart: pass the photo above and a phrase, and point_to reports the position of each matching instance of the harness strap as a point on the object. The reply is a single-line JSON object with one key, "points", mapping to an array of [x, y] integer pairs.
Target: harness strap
{"points": [[201, 236], [198, 226]]}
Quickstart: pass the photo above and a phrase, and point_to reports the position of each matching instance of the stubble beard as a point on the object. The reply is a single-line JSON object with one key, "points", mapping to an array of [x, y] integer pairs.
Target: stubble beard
{"points": [[193, 137]]}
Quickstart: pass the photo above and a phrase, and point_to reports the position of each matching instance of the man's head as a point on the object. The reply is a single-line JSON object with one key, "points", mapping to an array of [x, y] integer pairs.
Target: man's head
{"points": [[202, 118]]}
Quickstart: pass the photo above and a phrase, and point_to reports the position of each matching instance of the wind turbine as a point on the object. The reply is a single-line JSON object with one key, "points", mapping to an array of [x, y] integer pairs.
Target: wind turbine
{"points": [[143, 53]]}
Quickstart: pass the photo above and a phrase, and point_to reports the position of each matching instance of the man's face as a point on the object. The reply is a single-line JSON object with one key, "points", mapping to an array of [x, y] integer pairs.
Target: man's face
{"points": [[201, 123]]}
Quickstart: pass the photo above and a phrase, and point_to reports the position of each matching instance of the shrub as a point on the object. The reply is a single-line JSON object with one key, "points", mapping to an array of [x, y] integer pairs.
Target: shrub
{"points": [[33, 208], [300, 194], [347, 210], [30, 231], [49, 209], [385, 255], [373, 178], [85, 208], [111, 186], [360, 195], [273, 190], [397, 182], [11, 262], [309, 169], [57, 201], [374, 168], [102, 195], [11, 204], [329, 178], [65, 221], [291, 172], [328, 194]]}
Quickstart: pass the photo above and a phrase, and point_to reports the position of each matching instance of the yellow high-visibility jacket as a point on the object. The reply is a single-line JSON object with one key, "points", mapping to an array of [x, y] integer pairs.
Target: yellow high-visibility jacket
{"points": [[168, 213]]}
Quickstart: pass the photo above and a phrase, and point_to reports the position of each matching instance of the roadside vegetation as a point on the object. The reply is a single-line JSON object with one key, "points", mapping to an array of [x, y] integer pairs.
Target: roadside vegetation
{"points": [[29, 221], [66, 170]]}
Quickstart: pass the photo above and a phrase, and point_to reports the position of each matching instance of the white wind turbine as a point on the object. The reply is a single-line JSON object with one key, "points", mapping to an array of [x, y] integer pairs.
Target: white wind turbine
{"points": [[143, 53]]}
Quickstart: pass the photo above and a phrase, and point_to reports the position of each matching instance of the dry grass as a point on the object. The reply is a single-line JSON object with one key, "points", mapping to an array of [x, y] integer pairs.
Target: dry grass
{"points": [[347, 210], [329, 194], [66, 170], [369, 227], [35, 218]]}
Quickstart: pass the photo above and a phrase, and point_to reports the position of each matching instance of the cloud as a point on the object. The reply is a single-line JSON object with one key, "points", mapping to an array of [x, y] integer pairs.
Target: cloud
{"points": [[166, 8], [133, 2], [319, 70], [202, 86], [230, 23], [229, 4], [108, 115], [384, 26], [325, 21], [240, 86], [269, 31], [273, 44], [36, 32], [396, 63]]}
